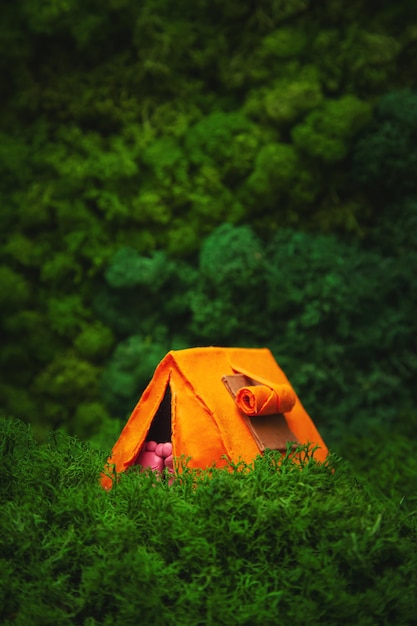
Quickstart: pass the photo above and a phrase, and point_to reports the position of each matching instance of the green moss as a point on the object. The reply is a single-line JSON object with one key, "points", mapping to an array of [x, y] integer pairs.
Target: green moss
{"points": [[327, 132], [284, 43], [294, 96], [384, 157], [385, 458], [14, 290], [95, 341], [67, 377], [258, 544]]}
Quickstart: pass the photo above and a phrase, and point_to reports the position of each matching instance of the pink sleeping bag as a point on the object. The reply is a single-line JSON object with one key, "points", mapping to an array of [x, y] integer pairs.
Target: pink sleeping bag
{"points": [[157, 456]]}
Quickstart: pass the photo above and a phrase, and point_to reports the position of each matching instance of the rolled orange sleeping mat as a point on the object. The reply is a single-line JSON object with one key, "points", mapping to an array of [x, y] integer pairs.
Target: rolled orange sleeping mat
{"points": [[263, 400]]}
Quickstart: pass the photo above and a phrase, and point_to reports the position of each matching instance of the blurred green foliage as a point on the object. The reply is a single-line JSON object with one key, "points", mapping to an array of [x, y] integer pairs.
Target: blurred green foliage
{"points": [[384, 159], [326, 132], [175, 174], [384, 458]]}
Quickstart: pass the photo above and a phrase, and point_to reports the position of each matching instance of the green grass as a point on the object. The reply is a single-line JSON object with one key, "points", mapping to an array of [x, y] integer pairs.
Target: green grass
{"points": [[271, 543]]}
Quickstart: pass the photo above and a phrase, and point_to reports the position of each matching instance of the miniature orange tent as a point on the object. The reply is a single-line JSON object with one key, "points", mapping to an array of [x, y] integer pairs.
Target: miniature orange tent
{"points": [[214, 403]]}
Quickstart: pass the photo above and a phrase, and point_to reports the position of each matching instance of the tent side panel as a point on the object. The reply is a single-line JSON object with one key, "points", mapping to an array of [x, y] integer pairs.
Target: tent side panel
{"points": [[204, 368], [195, 432], [298, 420]]}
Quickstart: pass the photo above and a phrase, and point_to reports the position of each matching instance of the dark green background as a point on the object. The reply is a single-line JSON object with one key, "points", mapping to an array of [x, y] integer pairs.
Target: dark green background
{"points": [[182, 173]]}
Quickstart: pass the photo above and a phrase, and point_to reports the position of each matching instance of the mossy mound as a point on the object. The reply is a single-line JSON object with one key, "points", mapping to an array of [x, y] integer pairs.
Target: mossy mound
{"points": [[274, 542]]}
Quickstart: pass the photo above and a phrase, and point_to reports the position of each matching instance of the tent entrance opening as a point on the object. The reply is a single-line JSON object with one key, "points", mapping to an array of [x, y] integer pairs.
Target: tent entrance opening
{"points": [[161, 427]]}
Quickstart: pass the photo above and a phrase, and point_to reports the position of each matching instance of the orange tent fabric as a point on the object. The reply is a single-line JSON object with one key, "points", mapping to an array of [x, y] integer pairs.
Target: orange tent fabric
{"points": [[263, 400], [187, 402]]}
